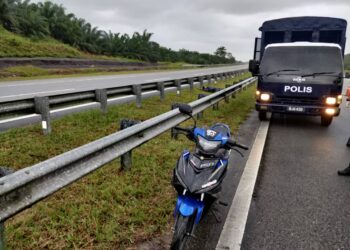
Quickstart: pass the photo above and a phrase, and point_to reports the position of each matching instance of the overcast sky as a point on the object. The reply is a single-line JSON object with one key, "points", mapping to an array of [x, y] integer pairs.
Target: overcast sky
{"points": [[201, 25]]}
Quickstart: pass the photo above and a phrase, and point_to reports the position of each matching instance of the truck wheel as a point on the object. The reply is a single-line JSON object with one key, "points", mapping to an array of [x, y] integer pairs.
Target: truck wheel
{"points": [[326, 120], [262, 115]]}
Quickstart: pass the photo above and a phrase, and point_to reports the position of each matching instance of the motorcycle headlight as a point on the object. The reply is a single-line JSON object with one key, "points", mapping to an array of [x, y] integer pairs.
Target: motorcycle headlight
{"points": [[207, 145]]}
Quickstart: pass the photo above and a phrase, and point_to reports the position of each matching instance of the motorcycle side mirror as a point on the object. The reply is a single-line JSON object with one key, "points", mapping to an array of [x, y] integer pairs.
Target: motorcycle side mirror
{"points": [[186, 109]]}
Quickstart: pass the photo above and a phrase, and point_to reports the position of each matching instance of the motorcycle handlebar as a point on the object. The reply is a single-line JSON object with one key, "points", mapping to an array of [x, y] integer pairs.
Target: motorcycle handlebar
{"points": [[233, 143]]}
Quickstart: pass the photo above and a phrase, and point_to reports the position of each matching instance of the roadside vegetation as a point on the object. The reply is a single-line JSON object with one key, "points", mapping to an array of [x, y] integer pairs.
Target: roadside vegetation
{"points": [[47, 21], [109, 209]]}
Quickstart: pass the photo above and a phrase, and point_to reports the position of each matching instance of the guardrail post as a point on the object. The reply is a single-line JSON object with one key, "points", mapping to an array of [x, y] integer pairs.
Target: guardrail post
{"points": [[42, 107], [178, 86], [173, 133], [160, 86], [209, 79], [227, 97], [126, 159], [101, 97], [190, 82], [201, 81], [136, 89], [200, 114], [3, 172]]}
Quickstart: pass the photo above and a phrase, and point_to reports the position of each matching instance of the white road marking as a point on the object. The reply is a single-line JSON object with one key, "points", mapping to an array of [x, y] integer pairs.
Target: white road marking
{"points": [[36, 93], [232, 234]]}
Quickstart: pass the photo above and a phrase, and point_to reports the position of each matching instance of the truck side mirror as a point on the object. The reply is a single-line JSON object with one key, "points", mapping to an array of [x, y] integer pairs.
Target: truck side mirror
{"points": [[254, 67]]}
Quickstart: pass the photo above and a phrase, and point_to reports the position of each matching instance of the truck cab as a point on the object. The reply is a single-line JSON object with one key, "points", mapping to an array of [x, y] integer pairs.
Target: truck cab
{"points": [[302, 71]]}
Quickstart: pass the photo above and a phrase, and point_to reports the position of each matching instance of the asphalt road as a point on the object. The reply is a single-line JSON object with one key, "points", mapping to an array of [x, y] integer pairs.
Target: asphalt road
{"points": [[15, 90], [300, 202]]}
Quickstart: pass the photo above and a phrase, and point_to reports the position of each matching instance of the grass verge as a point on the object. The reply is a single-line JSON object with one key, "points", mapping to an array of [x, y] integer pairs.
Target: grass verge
{"points": [[109, 209]]}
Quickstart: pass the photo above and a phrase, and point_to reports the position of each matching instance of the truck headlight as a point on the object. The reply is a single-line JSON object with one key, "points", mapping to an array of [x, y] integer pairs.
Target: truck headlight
{"points": [[265, 97], [331, 100], [330, 111]]}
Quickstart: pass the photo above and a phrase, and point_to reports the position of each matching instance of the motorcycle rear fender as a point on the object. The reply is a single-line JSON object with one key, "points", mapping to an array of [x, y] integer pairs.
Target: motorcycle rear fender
{"points": [[188, 205]]}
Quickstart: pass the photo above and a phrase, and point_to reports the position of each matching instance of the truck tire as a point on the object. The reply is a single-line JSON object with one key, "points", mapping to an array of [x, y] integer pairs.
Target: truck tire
{"points": [[326, 120], [262, 115]]}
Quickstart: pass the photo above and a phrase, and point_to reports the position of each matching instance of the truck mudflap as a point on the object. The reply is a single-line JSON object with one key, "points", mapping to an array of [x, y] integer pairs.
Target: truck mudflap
{"points": [[294, 109]]}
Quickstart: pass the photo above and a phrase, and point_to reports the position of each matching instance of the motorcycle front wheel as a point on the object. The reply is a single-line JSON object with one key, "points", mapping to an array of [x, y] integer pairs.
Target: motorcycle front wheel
{"points": [[182, 232]]}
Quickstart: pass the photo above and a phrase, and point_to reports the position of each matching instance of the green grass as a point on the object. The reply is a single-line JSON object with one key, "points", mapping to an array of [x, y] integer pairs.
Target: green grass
{"points": [[17, 46], [108, 209]]}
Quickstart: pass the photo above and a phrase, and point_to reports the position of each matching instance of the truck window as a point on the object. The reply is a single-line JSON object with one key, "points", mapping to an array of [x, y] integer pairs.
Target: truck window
{"points": [[302, 60], [274, 37], [330, 36], [302, 36]]}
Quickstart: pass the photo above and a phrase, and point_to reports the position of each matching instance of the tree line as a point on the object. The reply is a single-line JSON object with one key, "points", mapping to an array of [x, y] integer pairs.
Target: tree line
{"points": [[47, 19]]}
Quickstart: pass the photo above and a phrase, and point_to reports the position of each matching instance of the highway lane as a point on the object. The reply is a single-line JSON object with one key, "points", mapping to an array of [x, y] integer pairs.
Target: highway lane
{"points": [[300, 202], [15, 90]]}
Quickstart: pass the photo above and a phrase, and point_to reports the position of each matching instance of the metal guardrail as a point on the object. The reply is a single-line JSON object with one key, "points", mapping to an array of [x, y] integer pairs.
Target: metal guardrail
{"points": [[43, 109], [25, 187]]}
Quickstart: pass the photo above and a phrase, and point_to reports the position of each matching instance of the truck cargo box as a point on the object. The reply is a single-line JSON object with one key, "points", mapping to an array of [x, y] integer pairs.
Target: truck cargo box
{"points": [[301, 29]]}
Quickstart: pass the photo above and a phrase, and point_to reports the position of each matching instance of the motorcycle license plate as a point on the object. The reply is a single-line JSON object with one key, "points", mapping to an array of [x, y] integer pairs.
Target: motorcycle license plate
{"points": [[295, 109]]}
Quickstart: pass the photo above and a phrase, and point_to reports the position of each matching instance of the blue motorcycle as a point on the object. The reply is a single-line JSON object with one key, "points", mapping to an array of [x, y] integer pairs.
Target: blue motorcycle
{"points": [[198, 175]]}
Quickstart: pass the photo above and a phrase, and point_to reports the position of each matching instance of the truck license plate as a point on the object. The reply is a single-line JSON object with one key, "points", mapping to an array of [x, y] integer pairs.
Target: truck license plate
{"points": [[295, 109]]}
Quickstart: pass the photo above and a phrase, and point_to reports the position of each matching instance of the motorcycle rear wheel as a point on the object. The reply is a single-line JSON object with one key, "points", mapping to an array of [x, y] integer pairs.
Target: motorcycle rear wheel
{"points": [[182, 233]]}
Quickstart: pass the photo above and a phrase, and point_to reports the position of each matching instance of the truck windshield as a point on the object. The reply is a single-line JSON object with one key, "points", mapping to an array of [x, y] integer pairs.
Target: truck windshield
{"points": [[307, 61]]}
